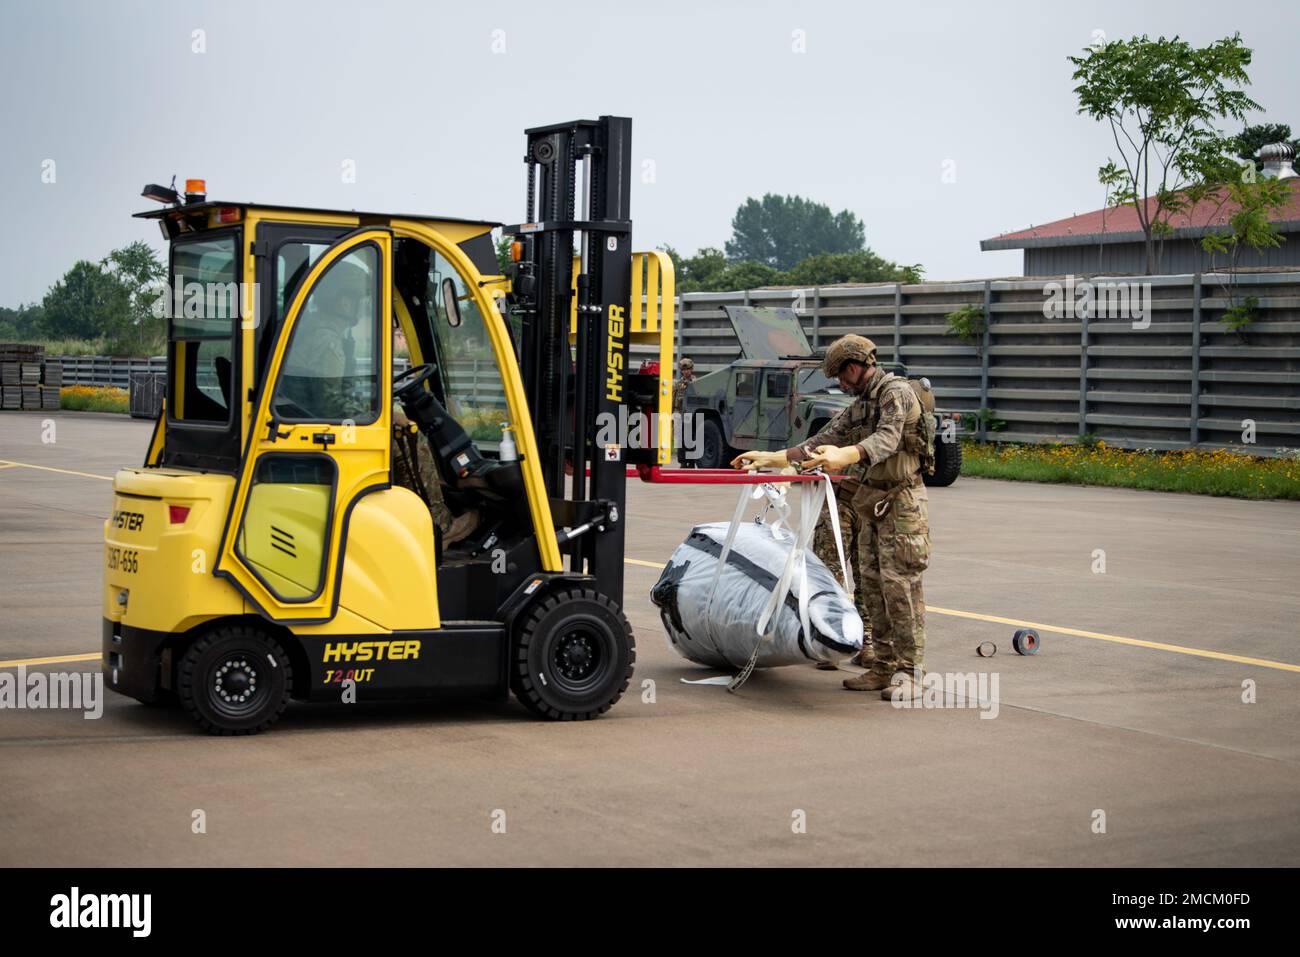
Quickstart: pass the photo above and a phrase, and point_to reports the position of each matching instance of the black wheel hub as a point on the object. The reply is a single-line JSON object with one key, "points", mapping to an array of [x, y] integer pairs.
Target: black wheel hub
{"points": [[577, 656], [234, 684]]}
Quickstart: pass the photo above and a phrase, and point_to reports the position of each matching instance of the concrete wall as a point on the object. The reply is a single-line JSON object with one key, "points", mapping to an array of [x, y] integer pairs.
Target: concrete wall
{"points": [[1183, 380]]}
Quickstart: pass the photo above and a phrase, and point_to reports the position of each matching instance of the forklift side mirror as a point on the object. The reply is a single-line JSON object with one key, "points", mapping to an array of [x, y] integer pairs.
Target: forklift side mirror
{"points": [[450, 304]]}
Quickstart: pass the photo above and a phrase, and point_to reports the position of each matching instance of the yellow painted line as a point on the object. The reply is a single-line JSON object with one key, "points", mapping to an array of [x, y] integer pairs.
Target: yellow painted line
{"points": [[46, 468], [57, 660], [1079, 633], [1120, 639], [997, 619]]}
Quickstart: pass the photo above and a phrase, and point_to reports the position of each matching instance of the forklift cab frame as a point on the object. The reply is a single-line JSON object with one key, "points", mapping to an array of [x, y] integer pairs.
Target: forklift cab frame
{"points": [[265, 551]]}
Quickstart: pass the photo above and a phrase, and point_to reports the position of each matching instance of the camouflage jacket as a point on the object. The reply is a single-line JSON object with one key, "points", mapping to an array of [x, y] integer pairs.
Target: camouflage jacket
{"points": [[679, 393], [876, 423], [316, 374]]}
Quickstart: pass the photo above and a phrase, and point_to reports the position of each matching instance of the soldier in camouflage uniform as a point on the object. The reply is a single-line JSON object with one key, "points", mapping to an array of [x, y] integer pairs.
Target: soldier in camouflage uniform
{"points": [[823, 546], [413, 468], [687, 369], [319, 368], [881, 430]]}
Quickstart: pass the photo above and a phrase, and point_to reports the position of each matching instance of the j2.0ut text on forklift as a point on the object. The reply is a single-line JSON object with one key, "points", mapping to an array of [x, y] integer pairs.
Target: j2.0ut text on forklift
{"points": [[263, 552]]}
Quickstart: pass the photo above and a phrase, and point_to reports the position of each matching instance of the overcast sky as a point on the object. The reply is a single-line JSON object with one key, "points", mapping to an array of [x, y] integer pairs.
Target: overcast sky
{"points": [[723, 107]]}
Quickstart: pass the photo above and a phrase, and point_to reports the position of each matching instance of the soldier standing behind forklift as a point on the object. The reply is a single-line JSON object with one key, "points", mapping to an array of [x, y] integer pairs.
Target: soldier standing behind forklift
{"points": [[882, 429], [686, 368]]}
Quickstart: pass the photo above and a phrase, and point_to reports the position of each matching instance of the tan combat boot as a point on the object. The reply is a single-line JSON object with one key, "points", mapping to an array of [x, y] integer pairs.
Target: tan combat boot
{"points": [[905, 688], [461, 526], [867, 681]]}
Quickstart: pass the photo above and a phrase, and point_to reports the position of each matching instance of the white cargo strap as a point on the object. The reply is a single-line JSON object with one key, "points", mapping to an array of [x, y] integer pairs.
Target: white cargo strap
{"points": [[745, 492], [834, 509], [775, 503], [811, 498], [810, 502]]}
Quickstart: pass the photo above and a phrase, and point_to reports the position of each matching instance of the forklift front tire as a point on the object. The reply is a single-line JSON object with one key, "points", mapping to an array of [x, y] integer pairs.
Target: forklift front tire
{"points": [[572, 658], [235, 679]]}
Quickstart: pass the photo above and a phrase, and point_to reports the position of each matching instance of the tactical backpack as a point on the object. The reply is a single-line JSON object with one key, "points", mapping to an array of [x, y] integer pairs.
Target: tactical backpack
{"points": [[922, 441]]}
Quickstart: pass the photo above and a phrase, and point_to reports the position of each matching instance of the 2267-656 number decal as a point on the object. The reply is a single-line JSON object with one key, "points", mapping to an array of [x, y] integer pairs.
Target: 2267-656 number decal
{"points": [[123, 559]]}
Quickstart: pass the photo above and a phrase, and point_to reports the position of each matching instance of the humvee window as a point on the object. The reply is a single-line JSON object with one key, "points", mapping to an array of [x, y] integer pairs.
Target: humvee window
{"points": [[778, 385], [745, 385]]}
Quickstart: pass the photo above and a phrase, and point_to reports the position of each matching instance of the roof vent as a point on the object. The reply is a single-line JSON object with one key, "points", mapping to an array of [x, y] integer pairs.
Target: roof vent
{"points": [[1277, 159]]}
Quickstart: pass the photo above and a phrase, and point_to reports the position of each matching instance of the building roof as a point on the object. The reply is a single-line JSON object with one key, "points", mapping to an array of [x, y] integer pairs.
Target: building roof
{"points": [[1120, 224]]}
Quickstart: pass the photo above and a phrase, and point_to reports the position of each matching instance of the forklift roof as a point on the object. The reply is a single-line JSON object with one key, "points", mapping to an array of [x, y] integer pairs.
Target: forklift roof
{"points": [[187, 209]]}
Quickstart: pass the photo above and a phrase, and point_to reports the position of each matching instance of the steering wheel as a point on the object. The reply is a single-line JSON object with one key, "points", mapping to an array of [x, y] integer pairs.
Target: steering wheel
{"points": [[408, 382]]}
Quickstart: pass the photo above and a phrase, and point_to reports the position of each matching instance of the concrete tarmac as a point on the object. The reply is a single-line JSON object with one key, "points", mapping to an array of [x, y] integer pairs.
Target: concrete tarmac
{"points": [[1164, 703]]}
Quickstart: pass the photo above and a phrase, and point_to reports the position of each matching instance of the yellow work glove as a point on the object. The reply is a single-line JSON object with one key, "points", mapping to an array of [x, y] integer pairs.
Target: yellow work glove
{"points": [[760, 460], [833, 458]]}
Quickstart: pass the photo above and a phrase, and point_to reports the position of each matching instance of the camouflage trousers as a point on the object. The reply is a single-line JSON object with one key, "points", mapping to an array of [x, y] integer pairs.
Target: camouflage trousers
{"points": [[823, 546], [428, 474], [893, 552]]}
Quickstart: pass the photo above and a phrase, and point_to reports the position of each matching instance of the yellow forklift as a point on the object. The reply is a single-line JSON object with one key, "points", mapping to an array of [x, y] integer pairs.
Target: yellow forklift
{"points": [[263, 551]]}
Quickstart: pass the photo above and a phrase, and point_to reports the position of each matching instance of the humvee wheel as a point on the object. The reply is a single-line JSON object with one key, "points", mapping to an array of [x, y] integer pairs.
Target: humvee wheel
{"points": [[234, 680], [714, 449], [572, 657], [947, 463]]}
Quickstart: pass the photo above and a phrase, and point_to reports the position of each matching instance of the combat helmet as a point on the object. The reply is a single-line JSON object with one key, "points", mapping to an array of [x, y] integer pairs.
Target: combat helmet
{"points": [[849, 348]]}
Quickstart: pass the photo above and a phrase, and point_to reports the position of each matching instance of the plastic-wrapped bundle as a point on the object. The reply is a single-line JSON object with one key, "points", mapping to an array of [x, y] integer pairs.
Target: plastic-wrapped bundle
{"points": [[723, 632]]}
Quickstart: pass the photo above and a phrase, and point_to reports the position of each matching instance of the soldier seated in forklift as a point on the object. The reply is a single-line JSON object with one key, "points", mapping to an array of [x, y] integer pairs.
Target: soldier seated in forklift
{"points": [[320, 378], [474, 500], [413, 469]]}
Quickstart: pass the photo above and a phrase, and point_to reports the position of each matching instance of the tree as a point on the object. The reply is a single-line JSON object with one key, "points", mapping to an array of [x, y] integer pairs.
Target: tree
{"points": [[1257, 200], [750, 275], [23, 323], [703, 272], [709, 271], [87, 303], [861, 266], [138, 270], [1163, 100], [1247, 143], [503, 254], [780, 231]]}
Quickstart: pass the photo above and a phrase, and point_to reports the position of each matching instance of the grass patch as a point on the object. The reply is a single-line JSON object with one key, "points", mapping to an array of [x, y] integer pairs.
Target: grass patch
{"points": [[1187, 470], [73, 347], [88, 398]]}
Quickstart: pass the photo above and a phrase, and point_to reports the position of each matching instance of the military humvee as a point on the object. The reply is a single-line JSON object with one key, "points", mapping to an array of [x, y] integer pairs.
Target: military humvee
{"points": [[776, 395]]}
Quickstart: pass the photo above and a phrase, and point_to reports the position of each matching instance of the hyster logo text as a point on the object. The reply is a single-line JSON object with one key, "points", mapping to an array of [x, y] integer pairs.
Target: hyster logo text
{"points": [[614, 355], [131, 521], [102, 910], [371, 650]]}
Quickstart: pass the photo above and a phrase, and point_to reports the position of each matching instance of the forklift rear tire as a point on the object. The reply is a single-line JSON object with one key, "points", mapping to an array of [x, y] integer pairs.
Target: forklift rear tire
{"points": [[235, 679], [573, 656]]}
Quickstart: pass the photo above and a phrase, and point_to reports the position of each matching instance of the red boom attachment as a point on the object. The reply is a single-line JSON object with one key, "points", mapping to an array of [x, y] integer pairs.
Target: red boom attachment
{"points": [[659, 475]]}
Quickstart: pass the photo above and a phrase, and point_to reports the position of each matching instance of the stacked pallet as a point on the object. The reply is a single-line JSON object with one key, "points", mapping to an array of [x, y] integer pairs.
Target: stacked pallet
{"points": [[23, 383], [51, 383]]}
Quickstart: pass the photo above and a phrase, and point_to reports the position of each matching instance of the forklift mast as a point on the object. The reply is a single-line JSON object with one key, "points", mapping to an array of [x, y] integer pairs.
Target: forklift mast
{"points": [[572, 287]]}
